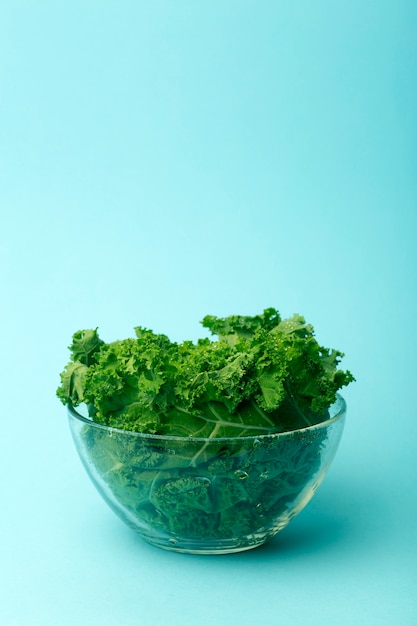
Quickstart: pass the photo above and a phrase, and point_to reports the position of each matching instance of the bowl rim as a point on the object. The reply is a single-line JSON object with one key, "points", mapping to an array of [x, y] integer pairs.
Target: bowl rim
{"points": [[339, 406]]}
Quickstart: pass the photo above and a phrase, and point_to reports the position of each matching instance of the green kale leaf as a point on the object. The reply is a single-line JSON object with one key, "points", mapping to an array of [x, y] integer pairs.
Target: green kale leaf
{"points": [[188, 488], [261, 375]]}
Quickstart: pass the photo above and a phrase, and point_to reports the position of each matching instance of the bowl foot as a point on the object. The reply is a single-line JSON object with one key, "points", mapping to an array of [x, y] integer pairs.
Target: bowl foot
{"points": [[214, 546]]}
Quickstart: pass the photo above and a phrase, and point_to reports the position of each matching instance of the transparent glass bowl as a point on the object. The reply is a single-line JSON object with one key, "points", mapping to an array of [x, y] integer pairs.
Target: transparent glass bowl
{"points": [[207, 496]]}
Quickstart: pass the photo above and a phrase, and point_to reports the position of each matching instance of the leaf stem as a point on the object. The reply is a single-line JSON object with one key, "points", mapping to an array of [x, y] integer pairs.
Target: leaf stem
{"points": [[295, 403], [223, 422]]}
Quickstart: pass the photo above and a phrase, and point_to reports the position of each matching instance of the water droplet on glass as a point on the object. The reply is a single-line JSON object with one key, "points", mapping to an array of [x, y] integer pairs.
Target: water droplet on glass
{"points": [[241, 474], [203, 480]]}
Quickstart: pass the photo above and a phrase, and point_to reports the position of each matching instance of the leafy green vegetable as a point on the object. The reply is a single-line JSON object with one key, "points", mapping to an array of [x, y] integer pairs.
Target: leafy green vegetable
{"points": [[215, 490], [262, 375], [207, 480]]}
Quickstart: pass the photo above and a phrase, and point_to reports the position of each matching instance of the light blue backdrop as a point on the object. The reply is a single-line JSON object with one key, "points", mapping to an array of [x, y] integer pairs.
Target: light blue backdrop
{"points": [[164, 160]]}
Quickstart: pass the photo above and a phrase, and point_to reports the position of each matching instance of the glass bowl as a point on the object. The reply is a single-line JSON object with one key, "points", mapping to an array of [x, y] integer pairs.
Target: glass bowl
{"points": [[207, 496]]}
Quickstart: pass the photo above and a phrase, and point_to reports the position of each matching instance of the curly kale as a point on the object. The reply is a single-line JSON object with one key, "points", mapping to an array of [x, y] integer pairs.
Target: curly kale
{"points": [[263, 374], [236, 487]]}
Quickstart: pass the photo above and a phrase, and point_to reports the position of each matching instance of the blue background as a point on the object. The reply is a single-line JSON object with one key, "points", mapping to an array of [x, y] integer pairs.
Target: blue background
{"points": [[164, 160]]}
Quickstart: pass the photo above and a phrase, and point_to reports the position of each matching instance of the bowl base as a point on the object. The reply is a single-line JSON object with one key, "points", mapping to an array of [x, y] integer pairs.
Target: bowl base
{"points": [[213, 547]]}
